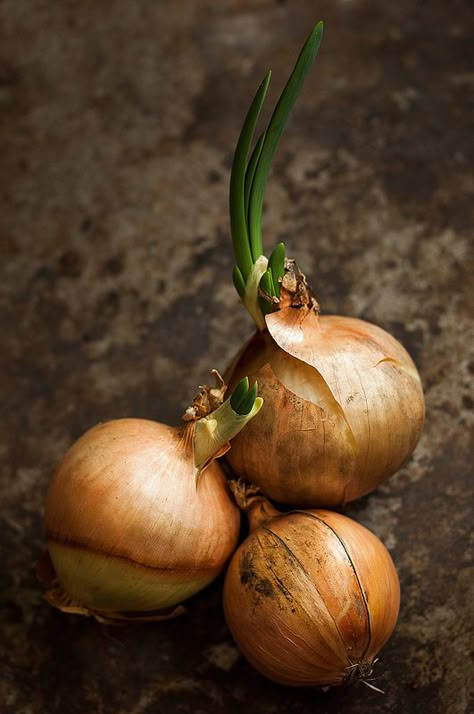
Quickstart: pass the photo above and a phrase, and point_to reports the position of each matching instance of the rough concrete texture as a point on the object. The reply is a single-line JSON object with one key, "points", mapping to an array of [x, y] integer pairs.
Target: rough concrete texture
{"points": [[118, 123]]}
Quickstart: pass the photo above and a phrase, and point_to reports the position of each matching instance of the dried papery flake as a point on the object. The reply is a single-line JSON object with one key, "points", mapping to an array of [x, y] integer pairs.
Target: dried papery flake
{"points": [[295, 291], [207, 399]]}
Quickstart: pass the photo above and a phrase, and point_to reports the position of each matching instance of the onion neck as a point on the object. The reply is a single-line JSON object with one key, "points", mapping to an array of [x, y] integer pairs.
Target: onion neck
{"points": [[210, 423], [251, 295], [257, 508], [260, 512], [213, 432], [293, 289]]}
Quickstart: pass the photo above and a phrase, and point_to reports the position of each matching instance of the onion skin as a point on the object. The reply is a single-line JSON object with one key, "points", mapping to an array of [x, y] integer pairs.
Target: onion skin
{"points": [[343, 408], [129, 528], [310, 598]]}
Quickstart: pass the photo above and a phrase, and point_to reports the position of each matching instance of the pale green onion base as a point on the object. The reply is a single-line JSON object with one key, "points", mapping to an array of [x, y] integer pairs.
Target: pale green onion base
{"points": [[112, 584]]}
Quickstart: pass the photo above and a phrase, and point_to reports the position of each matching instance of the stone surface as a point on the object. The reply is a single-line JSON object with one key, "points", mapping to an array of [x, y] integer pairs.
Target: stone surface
{"points": [[118, 121]]}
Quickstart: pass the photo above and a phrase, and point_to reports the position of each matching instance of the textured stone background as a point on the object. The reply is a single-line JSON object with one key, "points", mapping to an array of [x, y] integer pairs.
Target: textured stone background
{"points": [[118, 121]]}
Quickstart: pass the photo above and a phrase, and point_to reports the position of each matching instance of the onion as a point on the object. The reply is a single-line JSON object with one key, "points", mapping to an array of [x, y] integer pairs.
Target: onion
{"points": [[344, 406], [138, 517], [310, 597]]}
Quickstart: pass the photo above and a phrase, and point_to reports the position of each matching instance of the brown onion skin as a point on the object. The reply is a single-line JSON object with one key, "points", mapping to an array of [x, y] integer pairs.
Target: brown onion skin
{"points": [[351, 420], [310, 598], [126, 496]]}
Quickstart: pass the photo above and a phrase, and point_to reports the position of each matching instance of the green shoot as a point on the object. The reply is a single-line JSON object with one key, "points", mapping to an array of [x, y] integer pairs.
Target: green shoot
{"points": [[213, 432], [247, 186], [249, 176], [239, 282], [238, 217], [247, 405], [239, 394], [243, 398], [276, 263], [276, 126], [266, 284]]}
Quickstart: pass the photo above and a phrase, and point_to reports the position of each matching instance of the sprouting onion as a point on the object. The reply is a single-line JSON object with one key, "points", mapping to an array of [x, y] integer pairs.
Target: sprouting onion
{"points": [[138, 517], [344, 405]]}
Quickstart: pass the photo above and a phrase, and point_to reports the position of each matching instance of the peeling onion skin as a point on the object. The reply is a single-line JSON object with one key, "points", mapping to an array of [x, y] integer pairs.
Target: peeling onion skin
{"points": [[128, 527], [343, 408], [310, 599]]}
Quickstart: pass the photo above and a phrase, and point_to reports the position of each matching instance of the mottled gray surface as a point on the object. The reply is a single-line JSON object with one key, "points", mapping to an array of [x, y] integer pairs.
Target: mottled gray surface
{"points": [[118, 121]]}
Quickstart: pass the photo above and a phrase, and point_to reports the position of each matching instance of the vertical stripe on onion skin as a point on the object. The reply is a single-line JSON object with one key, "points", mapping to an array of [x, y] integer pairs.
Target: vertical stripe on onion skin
{"points": [[310, 598], [138, 516]]}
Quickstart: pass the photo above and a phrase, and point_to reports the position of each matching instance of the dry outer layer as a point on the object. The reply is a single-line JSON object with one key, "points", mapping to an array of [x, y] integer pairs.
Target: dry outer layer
{"points": [[118, 121]]}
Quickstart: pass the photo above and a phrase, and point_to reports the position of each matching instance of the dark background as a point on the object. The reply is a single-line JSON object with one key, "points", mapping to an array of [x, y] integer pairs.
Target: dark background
{"points": [[118, 121]]}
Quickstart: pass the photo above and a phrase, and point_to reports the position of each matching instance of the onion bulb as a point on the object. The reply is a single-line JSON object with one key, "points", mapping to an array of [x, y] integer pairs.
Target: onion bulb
{"points": [[344, 405], [137, 515], [310, 597], [343, 408]]}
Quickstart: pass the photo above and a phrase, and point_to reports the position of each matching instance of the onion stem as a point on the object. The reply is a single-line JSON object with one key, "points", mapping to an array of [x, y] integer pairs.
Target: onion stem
{"points": [[250, 298], [213, 432]]}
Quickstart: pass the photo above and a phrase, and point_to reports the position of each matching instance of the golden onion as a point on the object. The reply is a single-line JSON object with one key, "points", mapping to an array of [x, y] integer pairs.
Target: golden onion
{"points": [[343, 408], [343, 401], [310, 597], [137, 515]]}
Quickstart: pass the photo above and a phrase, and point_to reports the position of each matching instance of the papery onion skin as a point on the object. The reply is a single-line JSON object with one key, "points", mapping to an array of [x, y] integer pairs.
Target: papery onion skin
{"points": [[349, 416], [310, 598], [129, 527]]}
